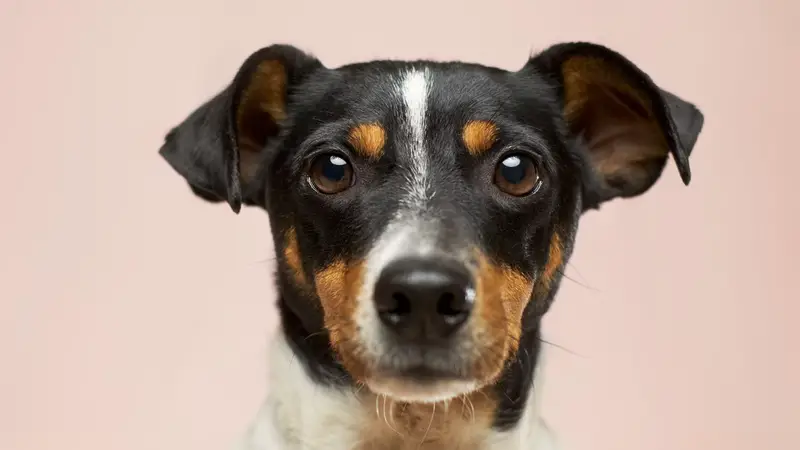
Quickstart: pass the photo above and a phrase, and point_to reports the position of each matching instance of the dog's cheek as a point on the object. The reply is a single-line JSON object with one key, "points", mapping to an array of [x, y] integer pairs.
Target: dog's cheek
{"points": [[549, 274], [294, 261], [338, 286], [555, 259], [502, 294]]}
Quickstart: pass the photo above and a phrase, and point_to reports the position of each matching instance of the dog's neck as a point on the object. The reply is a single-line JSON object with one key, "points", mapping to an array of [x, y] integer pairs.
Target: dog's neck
{"points": [[314, 404]]}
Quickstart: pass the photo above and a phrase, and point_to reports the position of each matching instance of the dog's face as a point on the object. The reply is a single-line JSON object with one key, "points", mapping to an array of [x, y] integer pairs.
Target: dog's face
{"points": [[424, 211]]}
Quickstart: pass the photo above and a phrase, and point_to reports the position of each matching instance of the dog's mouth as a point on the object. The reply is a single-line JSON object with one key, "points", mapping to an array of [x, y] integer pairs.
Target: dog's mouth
{"points": [[425, 372], [428, 380]]}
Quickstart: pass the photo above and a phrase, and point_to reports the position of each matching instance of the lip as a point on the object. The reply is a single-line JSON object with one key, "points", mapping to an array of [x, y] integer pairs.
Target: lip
{"points": [[420, 390], [423, 363], [422, 373], [425, 374]]}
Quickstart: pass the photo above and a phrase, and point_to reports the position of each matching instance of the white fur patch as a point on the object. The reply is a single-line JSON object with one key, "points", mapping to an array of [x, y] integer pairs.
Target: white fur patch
{"points": [[414, 90], [299, 414]]}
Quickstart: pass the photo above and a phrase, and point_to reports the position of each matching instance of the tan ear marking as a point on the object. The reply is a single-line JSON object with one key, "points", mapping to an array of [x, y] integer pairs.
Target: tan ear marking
{"points": [[583, 74], [262, 106], [266, 91], [616, 118]]}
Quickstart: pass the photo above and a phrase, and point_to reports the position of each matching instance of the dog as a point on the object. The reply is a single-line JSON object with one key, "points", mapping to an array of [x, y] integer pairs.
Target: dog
{"points": [[422, 214]]}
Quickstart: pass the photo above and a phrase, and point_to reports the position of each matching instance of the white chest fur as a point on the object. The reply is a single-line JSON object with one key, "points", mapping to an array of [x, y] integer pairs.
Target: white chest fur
{"points": [[299, 414]]}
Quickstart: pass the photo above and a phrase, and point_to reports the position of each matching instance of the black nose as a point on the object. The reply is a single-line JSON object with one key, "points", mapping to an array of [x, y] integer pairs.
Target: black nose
{"points": [[424, 299]]}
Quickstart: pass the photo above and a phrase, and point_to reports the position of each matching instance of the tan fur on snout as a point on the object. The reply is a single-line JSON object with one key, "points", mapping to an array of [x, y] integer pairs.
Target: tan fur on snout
{"points": [[338, 286], [502, 295]]}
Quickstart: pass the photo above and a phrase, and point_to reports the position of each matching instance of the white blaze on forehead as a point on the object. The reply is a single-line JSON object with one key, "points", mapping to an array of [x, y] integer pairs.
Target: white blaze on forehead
{"points": [[408, 233], [414, 90]]}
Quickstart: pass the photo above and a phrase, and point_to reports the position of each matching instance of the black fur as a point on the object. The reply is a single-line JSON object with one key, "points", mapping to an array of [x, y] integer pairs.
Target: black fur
{"points": [[321, 104]]}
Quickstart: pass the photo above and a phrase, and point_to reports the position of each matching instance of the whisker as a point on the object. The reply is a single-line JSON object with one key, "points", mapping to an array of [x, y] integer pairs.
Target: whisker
{"points": [[385, 417], [471, 408], [563, 273], [430, 424], [317, 333], [359, 387], [560, 347], [391, 417], [265, 260]]}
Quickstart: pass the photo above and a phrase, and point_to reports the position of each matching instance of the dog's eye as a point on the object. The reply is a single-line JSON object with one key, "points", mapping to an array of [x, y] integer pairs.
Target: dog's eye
{"points": [[516, 175], [331, 174]]}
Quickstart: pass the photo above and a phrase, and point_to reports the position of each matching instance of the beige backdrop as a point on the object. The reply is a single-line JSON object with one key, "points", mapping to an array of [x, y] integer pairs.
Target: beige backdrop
{"points": [[135, 316]]}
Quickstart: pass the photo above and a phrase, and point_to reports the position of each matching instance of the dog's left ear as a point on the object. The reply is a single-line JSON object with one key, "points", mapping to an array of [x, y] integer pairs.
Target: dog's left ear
{"points": [[219, 148], [628, 126]]}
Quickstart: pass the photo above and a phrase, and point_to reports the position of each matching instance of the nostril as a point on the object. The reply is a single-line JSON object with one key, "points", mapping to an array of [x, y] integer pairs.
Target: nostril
{"points": [[402, 305], [453, 308], [395, 310], [447, 305]]}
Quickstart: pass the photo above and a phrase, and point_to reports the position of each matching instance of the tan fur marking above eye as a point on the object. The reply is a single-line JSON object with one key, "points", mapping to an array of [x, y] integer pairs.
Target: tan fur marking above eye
{"points": [[479, 136], [463, 423], [291, 254], [368, 140]]}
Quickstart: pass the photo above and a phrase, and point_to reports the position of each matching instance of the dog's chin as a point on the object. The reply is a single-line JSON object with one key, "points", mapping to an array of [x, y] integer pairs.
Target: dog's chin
{"points": [[411, 389]]}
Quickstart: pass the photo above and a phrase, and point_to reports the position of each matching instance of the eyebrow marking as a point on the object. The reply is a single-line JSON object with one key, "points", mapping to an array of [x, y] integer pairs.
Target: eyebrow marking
{"points": [[368, 139], [479, 136]]}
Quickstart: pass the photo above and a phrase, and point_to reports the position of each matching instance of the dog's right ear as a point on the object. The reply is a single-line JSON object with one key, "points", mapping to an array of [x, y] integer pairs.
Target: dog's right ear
{"points": [[627, 125], [217, 149]]}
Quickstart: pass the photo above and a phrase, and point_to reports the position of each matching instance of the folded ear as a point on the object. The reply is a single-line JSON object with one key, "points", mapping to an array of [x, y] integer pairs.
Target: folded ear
{"points": [[628, 126], [218, 148]]}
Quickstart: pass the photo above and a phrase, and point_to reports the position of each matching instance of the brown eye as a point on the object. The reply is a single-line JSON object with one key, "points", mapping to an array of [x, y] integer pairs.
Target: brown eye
{"points": [[516, 175], [331, 174]]}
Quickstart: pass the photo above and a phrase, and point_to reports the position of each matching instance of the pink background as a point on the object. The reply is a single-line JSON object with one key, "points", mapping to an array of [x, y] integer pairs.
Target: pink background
{"points": [[135, 316]]}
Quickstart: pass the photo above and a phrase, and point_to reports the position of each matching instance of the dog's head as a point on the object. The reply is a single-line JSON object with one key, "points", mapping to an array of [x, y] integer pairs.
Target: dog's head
{"points": [[423, 212]]}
